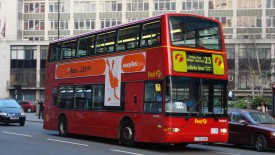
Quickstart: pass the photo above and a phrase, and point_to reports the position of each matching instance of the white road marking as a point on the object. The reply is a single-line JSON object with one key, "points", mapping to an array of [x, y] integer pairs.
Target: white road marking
{"points": [[125, 152], [61, 141], [18, 134], [225, 153]]}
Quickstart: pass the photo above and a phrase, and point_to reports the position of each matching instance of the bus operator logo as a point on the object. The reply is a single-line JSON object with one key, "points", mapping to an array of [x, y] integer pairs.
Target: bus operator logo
{"points": [[200, 121], [218, 61], [179, 57]]}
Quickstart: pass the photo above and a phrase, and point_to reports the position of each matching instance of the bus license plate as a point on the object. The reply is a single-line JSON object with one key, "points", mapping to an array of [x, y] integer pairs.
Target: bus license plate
{"points": [[200, 139]]}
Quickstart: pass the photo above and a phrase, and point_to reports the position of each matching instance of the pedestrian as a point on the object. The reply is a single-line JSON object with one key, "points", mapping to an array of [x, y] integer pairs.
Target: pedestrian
{"points": [[262, 107], [41, 109], [230, 95]]}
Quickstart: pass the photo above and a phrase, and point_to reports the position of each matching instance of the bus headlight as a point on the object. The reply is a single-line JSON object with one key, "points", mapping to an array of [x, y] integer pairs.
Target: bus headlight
{"points": [[223, 130], [171, 129]]}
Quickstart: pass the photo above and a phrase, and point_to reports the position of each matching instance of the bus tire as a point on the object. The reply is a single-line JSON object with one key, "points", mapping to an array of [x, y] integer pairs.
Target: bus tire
{"points": [[127, 133], [62, 126]]}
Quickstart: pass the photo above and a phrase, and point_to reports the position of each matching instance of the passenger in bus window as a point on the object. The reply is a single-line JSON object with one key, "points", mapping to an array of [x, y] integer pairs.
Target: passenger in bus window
{"points": [[200, 44], [156, 41]]}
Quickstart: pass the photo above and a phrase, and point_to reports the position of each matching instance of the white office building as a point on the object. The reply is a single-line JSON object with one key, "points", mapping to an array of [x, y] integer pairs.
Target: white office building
{"points": [[27, 26]]}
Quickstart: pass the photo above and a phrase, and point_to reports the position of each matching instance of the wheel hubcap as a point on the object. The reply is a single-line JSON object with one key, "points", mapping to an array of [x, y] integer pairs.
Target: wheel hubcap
{"points": [[127, 134], [259, 143], [62, 127]]}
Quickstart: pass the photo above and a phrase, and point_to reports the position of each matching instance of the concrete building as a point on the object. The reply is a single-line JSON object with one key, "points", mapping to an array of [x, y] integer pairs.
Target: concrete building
{"points": [[29, 25]]}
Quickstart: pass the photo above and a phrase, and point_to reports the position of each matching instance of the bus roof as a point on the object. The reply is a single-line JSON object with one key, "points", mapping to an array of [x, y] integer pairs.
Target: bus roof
{"points": [[122, 25]]}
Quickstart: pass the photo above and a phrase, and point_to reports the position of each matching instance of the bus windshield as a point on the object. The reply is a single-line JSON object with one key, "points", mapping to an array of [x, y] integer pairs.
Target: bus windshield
{"points": [[195, 32], [195, 96]]}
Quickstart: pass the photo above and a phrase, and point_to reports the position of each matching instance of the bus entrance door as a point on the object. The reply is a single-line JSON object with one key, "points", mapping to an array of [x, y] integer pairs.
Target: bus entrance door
{"points": [[134, 97]]}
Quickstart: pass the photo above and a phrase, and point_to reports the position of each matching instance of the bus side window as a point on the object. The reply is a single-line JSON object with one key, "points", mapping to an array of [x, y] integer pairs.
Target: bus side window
{"points": [[55, 52], [55, 96], [105, 42], [128, 37], [152, 98], [68, 50], [85, 46], [149, 32]]}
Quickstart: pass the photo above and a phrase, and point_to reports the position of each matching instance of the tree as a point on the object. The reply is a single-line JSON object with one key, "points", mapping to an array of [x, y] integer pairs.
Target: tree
{"points": [[255, 64]]}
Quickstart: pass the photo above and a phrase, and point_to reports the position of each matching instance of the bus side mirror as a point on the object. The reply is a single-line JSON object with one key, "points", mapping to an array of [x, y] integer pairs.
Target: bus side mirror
{"points": [[157, 87]]}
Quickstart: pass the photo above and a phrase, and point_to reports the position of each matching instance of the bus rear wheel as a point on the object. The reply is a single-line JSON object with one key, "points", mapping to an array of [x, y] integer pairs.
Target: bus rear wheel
{"points": [[127, 133], [62, 126]]}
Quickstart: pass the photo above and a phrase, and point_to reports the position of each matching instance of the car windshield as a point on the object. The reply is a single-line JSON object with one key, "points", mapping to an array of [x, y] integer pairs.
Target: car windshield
{"points": [[260, 118], [9, 104]]}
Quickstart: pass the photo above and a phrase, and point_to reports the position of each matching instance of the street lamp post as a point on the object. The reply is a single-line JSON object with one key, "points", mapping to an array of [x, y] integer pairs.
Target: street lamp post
{"points": [[58, 19]]}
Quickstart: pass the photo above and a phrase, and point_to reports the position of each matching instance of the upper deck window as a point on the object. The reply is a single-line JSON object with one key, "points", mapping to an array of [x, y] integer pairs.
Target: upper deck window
{"points": [[106, 42], [128, 38], [150, 31], [195, 32]]}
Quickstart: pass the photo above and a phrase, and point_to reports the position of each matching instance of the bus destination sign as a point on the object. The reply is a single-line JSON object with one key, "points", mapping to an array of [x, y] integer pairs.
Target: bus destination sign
{"points": [[198, 62]]}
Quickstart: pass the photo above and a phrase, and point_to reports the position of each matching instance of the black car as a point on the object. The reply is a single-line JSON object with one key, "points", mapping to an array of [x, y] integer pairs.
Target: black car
{"points": [[11, 112]]}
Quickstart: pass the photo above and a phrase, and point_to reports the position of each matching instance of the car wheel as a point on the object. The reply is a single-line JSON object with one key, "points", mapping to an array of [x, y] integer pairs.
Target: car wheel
{"points": [[22, 123], [29, 110], [62, 126], [260, 143], [127, 133]]}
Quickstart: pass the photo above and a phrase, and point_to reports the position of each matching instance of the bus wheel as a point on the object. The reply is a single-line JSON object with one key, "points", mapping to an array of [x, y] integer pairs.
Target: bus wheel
{"points": [[62, 126], [260, 143], [127, 133]]}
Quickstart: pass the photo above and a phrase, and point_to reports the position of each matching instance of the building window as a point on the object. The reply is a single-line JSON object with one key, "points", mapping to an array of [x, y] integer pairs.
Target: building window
{"points": [[270, 21], [63, 24], [34, 8], [85, 6], [34, 38], [43, 55], [86, 24], [111, 6], [249, 4], [226, 21], [249, 21], [64, 7], [220, 4], [23, 52], [132, 19], [230, 51], [137, 5], [165, 5], [109, 22], [34, 24], [270, 4], [192, 4]]}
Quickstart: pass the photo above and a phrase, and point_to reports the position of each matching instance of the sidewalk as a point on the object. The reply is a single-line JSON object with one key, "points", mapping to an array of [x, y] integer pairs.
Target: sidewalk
{"points": [[33, 117]]}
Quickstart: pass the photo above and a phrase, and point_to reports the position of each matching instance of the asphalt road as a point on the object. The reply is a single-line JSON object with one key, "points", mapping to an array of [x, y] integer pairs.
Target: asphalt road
{"points": [[32, 139]]}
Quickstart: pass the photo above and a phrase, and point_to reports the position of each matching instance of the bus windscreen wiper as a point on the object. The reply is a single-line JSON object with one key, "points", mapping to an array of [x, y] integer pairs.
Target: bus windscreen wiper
{"points": [[215, 116]]}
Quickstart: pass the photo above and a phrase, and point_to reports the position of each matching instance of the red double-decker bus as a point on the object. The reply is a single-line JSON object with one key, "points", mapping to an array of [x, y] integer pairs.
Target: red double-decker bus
{"points": [[162, 80]]}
